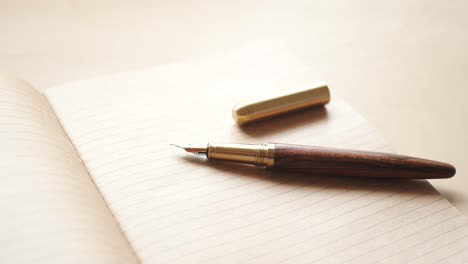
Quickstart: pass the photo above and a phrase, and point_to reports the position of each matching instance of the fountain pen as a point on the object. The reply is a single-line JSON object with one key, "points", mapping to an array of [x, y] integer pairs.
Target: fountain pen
{"points": [[324, 161]]}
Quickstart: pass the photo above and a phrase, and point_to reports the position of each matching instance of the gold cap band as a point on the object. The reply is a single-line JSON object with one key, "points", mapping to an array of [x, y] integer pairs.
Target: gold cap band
{"points": [[253, 110]]}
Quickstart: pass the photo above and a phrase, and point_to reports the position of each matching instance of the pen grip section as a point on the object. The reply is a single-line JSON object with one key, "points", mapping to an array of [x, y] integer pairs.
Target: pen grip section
{"points": [[340, 162]]}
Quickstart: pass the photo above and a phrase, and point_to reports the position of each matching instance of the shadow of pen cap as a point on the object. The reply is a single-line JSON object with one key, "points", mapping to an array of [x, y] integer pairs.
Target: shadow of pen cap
{"points": [[286, 102]]}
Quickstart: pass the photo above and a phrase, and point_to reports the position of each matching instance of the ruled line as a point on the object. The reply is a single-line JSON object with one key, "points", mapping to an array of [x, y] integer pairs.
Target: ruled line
{"points": [[409, 234], [307, 216], [290, 245], [445, 246], [422, 242]]}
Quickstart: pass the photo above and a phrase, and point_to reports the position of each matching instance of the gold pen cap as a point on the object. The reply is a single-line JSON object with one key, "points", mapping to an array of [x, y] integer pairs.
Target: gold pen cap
{"points": [[262, 108]]}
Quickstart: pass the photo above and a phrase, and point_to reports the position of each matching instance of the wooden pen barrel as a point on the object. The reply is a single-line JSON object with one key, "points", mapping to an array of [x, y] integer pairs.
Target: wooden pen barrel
{"points": [[339, 162]]}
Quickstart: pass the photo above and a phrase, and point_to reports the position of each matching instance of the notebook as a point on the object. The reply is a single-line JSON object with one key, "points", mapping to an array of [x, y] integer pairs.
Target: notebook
{"points": [[89, 175]]}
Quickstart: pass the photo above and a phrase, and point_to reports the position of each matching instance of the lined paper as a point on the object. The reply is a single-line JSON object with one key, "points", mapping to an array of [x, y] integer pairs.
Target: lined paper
{"points": [[51, 212], [175, 208]]}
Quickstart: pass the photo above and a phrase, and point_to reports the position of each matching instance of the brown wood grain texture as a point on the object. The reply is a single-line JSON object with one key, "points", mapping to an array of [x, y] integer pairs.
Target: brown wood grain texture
{"points": [[341, 162]]}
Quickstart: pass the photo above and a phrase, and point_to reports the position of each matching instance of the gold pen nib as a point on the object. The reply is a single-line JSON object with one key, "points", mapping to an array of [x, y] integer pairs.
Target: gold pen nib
{"points": [[197, 150]]}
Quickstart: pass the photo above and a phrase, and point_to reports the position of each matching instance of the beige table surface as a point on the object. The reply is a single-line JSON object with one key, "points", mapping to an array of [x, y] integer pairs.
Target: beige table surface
{"points": [[402, 64]]}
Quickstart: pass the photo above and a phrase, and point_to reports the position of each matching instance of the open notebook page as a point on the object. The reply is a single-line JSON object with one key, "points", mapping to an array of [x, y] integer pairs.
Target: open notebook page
{"points": [[175, 208], [51, 212]]}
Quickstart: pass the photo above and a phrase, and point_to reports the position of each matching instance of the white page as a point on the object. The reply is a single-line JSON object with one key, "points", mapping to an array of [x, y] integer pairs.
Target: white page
{"points": [[50, 209], [176, 209]]}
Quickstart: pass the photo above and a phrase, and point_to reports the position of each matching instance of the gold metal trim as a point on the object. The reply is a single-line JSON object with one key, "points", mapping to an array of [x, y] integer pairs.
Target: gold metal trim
{"points": [[255, 154], [262, 108]]}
